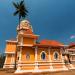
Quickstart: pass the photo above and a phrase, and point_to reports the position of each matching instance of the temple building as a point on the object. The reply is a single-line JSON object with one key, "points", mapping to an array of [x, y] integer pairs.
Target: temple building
{"points": [[28, 55]]}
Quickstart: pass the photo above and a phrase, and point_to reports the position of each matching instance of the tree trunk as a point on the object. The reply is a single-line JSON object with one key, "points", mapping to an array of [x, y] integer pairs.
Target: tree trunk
{"points": [[16, 46]]}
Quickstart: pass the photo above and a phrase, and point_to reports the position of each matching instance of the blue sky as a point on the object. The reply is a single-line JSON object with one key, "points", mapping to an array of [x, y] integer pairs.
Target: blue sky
{"points": [[51, 19]]}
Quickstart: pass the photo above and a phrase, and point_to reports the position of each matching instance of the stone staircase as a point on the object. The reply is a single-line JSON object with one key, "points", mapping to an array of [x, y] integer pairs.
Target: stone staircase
{"points": [[69, 66]]}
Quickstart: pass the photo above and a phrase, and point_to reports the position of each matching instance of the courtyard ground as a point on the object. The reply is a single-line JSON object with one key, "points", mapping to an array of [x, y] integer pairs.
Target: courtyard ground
{"points": [[70, 72]]}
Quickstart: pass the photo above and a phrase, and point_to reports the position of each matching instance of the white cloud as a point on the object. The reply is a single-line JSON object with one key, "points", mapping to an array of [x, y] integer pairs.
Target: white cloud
{"points": [[72, 36]]}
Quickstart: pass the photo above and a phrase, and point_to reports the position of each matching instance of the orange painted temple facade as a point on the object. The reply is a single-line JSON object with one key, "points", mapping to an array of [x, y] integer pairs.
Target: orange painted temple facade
{"points": [[28, 55]]}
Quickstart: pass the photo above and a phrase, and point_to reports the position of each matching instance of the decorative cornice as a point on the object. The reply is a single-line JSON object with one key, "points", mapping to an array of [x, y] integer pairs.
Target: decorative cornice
{"points": [[11, 41], [29, 45], [10, 52]]}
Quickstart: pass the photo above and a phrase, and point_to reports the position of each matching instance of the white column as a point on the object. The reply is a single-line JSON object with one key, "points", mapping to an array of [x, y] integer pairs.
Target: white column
{"points": [[49, 55], [36, 63], [21, 40], [62, 59], [20, 57], [12, 61], [35, 53], [20, 54], [51, 67]]}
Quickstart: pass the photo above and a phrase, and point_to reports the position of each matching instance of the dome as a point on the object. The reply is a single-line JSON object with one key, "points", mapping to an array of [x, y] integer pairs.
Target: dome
{"points": [[25, 24]]}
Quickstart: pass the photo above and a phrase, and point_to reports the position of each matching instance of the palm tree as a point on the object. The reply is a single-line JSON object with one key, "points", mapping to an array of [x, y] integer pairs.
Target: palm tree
{"points": [[21, 11]]}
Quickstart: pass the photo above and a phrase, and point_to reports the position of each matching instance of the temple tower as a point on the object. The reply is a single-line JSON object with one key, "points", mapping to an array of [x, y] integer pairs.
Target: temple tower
{"points": [[26, 39]]}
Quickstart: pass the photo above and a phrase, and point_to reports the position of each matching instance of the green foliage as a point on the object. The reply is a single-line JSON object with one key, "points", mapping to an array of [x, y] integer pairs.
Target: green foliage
{"points": [[20, 9]]}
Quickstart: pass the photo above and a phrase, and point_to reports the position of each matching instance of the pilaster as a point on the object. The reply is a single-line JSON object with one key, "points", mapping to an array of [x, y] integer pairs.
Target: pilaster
{"points": [[36, 63], [50, 61], [20, 58]]}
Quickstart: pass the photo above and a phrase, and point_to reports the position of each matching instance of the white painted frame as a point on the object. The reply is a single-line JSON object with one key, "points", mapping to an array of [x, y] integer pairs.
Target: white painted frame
{"points": [[54, 54], [45, 55]]}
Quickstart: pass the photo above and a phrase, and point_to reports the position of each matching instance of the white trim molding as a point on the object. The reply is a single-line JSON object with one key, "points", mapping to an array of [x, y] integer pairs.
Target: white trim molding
{"points": [[11, 41], [36, 63], [71, 49], [41, 54], [51, 67], [26, 45], [10, 52], [54, 54]]}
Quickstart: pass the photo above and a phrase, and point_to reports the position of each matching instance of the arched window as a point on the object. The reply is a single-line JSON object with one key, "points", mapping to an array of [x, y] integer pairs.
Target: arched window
{"points": [[56, 55], [27, 56], [43, 56]]}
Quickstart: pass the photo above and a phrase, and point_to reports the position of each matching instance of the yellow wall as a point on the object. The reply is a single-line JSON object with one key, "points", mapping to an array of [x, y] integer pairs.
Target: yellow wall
{"points": [[52, 52], [10, 47], [40, 50], [28, 40], [8, 60], [47, 53], [39, 53], [30, 51]]}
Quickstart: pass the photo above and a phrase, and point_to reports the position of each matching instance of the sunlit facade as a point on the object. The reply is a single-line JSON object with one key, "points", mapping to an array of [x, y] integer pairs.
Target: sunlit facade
{"points": [[33, 56]]}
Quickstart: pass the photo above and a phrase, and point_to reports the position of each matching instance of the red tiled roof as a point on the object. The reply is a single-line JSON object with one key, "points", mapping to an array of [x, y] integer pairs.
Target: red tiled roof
{"points": [[72, 43], [50, 42]]}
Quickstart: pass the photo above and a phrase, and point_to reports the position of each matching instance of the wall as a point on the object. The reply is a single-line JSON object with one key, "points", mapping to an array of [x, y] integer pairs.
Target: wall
{"points": [[10, 47], [28, 40]]}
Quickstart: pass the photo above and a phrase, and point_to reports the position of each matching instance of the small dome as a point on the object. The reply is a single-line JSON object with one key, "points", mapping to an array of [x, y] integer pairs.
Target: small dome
{"points": [[25, 24]]}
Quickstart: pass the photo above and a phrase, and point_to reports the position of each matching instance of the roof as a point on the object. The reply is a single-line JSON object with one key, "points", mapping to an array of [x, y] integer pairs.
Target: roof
{"points": [[12, 40], [52, 43], [72, 44], [71, 49]]}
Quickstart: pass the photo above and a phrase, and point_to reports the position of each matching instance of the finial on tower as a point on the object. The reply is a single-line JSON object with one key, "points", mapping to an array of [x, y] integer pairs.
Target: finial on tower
{"points": [[25, 24]]}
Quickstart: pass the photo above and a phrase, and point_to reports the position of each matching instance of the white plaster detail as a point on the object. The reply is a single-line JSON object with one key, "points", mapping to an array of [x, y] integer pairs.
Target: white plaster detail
{"points": [[41, 54], [72, 54], [54, 54], [25, 45], [51, 67], [11, 41], [21, 41], [39, 71], [20, 56], [10, 52], [36, 63], [71, 49], [72, 67]]}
